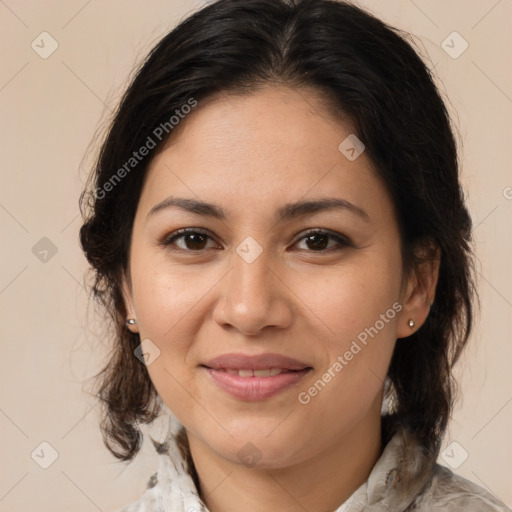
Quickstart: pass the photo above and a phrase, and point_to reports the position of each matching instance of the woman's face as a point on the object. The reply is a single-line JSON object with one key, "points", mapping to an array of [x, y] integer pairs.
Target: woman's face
{"points": [[294, 254]]}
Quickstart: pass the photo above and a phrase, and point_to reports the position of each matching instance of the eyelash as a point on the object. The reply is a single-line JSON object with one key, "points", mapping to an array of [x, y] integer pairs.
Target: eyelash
{"points": [[168, 240]]}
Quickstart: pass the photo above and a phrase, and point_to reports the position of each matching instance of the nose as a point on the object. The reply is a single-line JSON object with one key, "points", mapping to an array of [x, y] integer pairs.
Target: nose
{"points": [[253, 297]]}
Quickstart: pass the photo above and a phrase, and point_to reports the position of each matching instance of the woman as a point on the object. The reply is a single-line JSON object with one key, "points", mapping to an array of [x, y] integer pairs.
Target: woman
{"points": [[277, 228]]}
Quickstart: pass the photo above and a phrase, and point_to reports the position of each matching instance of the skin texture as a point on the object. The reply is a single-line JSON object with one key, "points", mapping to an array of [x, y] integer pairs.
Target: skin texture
{"points": [[250, 155]]}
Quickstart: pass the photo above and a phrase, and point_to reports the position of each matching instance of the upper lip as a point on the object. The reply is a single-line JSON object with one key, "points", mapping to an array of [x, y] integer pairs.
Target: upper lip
{"points": [[254, 362]]}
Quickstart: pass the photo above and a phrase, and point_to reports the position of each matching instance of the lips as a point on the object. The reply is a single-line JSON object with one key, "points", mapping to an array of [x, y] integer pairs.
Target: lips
{"points": [[254, 362], [258, 377]]}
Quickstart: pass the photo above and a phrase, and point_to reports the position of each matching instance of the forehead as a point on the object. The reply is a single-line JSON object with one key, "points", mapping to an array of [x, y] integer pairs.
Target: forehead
{"points": [[260, 147], [281, 120]]}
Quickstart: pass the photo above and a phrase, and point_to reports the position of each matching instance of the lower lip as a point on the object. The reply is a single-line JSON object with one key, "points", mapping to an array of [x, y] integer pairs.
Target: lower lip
{"points": [[255, 388]]}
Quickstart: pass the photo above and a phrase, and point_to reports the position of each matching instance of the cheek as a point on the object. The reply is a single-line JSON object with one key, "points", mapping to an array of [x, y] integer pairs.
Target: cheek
{"points": [[167, 305], [172, 303], [351, 298], [167, 295], [358, 309]]}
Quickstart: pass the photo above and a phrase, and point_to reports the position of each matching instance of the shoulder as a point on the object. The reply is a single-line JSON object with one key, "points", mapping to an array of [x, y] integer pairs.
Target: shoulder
{"points": [[448, 491], [170, 489], [150, 501], [405, 478]]}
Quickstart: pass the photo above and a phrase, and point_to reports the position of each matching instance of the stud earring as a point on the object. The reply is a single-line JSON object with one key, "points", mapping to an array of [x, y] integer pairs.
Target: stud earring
{"points": [[411, 323], [131, 321]]}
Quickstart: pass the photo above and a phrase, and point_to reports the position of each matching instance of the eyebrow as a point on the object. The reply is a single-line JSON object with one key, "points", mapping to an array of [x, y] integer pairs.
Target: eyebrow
{"points": [[287, 212]]}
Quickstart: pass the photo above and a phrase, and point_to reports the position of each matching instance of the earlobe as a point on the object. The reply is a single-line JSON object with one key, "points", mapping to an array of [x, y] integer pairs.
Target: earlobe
{"points": [[131, 318], [419, 294]]}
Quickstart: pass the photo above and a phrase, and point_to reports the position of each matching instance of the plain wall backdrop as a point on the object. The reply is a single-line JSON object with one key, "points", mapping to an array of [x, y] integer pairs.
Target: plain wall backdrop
{"points": [[53, 99]]}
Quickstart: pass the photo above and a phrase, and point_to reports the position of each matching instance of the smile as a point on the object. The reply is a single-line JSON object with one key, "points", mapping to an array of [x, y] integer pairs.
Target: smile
{"points": [[252, 377]]}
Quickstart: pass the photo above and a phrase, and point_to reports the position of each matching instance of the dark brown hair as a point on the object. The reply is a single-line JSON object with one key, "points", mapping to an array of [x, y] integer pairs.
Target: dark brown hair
{"points": [[374, 77]]}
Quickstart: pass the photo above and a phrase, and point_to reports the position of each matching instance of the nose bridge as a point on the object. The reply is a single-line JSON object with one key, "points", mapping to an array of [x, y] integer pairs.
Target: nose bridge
{"points": [[251, 295], [252, 279]]}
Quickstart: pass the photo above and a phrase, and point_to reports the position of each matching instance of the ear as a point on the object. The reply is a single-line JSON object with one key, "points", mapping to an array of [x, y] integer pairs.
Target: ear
{"points": [[419, 289], [128, 301]]}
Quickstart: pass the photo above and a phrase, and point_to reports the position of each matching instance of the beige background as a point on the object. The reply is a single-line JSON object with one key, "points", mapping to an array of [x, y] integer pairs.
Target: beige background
{"points": [[50, 110]]}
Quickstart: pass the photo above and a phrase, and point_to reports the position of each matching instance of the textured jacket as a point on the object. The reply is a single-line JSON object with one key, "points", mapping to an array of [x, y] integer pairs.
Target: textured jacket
{"points": [[401, 480]]}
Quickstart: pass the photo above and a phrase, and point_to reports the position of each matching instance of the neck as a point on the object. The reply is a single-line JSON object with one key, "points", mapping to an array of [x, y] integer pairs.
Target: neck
{"points": [[317, 484]]}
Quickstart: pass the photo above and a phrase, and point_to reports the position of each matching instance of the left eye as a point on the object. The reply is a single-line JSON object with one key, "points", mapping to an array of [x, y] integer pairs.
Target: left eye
{"points": [[318, 241]]}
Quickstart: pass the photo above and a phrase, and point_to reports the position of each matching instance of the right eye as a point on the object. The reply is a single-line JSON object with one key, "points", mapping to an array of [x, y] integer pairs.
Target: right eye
{"points": [[190, 240]]}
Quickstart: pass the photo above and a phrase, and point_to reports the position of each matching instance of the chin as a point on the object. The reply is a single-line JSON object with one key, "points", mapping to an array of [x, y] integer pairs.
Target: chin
{"points": [[253, 447]]}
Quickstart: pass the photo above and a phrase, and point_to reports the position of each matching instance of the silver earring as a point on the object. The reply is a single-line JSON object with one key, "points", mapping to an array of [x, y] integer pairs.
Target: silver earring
{"points": [[411, 323], [131, 321]]}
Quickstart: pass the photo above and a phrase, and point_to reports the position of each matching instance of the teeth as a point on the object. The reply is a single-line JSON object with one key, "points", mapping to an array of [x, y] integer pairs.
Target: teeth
{"points": [[262, 373], [269, 372]]}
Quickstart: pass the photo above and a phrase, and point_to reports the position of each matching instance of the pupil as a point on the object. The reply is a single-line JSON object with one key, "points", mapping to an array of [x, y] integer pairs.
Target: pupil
{"points": [[317, 245], [194, 239]]}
